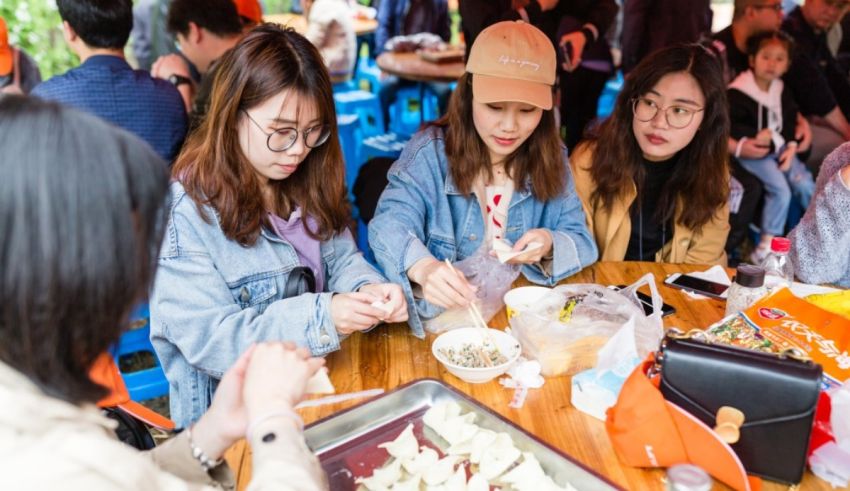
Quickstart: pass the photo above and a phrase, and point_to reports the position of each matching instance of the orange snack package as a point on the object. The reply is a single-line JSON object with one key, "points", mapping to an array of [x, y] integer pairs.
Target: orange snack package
{"points": [[781, 321]]}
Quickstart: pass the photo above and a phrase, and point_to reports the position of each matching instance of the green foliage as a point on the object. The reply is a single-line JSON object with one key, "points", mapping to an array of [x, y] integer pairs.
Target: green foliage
{"points": [[35, 27]]}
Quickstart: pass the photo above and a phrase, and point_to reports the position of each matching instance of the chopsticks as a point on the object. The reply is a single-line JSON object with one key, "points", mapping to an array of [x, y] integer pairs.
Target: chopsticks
{"points": [[480, 323]]}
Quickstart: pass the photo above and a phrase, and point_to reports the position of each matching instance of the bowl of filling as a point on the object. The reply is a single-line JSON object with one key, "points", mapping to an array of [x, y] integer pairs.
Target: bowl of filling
{"points": [[476, 355]]}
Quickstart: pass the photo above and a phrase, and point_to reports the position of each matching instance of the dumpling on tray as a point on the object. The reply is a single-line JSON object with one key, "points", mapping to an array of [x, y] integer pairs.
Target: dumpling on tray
{"points": [[441, 471], [422, 461], [524, 477], [497, 457], [405, 446], [382, 478], [440, 412]]}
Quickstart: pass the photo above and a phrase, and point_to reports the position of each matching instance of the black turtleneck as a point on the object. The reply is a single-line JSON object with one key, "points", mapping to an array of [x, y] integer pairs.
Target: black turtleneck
{"points": [[649, 234]]}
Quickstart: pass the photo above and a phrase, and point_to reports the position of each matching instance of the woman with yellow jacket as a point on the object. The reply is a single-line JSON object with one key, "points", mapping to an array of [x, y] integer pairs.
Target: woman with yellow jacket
{"points": [[654, 182]]}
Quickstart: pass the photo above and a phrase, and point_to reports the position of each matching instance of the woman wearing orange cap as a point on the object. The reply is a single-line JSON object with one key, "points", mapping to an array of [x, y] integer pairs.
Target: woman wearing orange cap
{"points": [[493, 169]]}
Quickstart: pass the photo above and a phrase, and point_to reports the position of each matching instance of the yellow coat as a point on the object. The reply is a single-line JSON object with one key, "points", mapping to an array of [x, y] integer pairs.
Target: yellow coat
{"points": [[612, 230]]}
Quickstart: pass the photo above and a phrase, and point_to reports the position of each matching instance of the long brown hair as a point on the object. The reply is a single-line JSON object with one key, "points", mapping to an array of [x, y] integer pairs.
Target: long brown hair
{"points": [[539, 159], [214, 170], [701, 179]]}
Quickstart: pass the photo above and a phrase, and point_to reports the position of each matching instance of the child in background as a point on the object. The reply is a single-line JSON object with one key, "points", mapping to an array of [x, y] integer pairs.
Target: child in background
{"points": [[760, 107], [493, 168]]}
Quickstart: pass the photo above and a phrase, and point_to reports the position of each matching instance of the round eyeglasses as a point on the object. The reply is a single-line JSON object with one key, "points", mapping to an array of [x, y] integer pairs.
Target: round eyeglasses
{"points": [[677, 117], [282, 139]]}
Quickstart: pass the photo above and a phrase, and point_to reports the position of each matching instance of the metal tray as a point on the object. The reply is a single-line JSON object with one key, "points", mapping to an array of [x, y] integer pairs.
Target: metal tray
{"points": [[347, 442]]}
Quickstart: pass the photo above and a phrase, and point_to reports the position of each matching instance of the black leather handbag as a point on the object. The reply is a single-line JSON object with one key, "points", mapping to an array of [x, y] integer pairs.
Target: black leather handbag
{"points": [[777, 394]]}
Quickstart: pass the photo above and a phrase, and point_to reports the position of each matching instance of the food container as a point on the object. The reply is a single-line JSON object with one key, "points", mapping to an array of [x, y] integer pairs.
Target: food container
{"points": [[476, 336], [522, 298]]}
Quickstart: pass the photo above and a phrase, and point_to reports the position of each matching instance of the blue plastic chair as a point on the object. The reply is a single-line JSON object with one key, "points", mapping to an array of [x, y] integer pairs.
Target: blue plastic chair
{"points": [[146, 383], [368, 71], [386, 145], [406, 120], [364, 104]]}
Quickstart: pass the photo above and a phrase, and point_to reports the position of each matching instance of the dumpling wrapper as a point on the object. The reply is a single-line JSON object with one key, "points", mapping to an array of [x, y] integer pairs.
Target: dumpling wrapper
{"points": [[383, 477], [439, 413], [441, 471], [477, 483], [405, 446], [422, 461], [320, 383], [526, 475], [497, 457], [504, 251], [382, 306]]}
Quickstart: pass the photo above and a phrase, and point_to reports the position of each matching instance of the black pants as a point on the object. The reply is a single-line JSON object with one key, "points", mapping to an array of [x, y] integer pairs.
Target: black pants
{"points": [[740, 222], [580, 91]]}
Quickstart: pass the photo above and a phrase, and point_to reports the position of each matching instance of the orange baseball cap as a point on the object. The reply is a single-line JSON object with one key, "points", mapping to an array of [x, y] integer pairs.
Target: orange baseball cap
{"points": [[512, 61], [250, 9], [105, 372], [5, 49]]}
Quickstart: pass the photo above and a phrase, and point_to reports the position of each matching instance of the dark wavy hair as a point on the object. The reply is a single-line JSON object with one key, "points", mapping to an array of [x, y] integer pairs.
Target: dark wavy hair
{"points": [[539, 159], [701, 179], [214, 170], [80, 240]]}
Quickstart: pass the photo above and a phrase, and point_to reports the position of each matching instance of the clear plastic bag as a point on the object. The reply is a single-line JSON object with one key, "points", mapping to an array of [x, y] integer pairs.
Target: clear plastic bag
{"points": [[493, 280], [568, 327]]}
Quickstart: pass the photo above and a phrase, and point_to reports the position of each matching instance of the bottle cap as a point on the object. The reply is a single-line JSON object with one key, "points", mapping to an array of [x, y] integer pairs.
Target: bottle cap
{"points": [[749, 276], [780, 244]]}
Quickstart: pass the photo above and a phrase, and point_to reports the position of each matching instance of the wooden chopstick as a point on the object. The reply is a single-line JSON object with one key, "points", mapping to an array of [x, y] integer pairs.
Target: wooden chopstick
{"points": [[478, 319]]}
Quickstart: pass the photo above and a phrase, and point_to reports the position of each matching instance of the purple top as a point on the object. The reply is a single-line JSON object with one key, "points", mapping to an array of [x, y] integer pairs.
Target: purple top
{"points": [[308, 249]]}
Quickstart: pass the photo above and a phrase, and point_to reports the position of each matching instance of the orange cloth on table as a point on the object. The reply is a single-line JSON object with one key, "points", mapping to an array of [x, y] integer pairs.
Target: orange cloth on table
{"points": [[105, 372], [648, 431]]}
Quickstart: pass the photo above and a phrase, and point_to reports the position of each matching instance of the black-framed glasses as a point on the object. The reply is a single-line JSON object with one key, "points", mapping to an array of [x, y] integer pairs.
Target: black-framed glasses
{"points": [[282, 139], [772, 6], [677, 116]]}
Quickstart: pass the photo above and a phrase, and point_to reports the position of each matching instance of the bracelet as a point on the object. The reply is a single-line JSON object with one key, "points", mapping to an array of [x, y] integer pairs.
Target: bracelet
{"points": [[206, 462], [738, 148], [284, 411]]}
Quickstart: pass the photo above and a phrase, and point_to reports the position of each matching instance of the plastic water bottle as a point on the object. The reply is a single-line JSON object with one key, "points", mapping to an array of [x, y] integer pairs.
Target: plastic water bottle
{"points": [[779, 272]]}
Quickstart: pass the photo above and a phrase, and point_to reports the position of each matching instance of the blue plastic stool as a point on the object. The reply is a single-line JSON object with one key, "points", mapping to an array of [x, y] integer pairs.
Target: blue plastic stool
{"points": [[387, 145], [407, 121], [364, 104], [368, 71], [349, 138], [346, 86], [149, 382]]}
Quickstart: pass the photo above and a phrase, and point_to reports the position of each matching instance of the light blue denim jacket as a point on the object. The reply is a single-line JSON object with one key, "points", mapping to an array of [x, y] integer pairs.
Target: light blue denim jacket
{"points": [[422, 213], [212, 298]]}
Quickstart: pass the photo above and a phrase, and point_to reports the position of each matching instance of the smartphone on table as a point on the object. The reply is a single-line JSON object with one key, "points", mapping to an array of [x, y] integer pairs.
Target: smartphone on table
{"points": [[697, 285], [646, 303]]}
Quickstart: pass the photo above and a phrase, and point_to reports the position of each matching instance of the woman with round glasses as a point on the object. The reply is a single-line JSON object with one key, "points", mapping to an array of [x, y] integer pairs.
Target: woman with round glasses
{"points": [[257, 245], [654, 181]]}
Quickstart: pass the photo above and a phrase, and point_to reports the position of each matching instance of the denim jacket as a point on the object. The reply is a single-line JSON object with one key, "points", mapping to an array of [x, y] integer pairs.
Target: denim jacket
{"points": [[422, 213], [212, 298]]}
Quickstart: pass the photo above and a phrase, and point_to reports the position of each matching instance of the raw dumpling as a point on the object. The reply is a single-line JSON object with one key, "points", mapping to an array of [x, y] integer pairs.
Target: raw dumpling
{"points": [[405, 446], [411, 484], [458, 429], [475, 446], [422, 461], [439, 413], [383, 477], [497, 457], [439, 472], [477, 483], [526, 475], [457, 482]]}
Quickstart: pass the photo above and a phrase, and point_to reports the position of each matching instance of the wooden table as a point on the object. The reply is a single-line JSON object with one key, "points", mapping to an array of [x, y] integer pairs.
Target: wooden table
{"points": [[299, 23], [410, 66], [390, 356]]}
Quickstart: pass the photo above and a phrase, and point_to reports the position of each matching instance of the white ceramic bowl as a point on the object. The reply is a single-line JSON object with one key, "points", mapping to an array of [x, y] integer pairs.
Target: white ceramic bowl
{"points": [[520, 299], [506, 343]]}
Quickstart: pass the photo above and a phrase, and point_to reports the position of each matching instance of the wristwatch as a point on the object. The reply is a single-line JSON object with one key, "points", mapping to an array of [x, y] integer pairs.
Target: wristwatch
{"points": [[179, 80]]}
